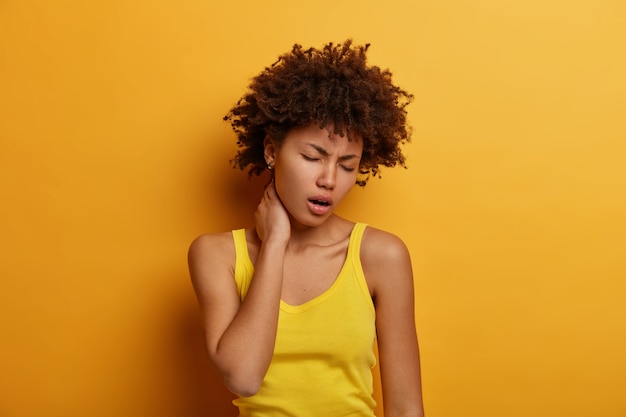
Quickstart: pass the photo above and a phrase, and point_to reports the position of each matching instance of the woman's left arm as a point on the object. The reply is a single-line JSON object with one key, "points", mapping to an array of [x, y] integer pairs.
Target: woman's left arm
{"points": [[387, 265]]}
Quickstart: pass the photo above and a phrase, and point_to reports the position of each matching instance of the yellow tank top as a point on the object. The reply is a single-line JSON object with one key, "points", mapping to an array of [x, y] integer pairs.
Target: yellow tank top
{"points": [[324, 350]]}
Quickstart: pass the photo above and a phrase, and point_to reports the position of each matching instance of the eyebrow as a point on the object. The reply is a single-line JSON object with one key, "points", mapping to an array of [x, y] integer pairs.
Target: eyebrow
{"points": [[324, 152]]}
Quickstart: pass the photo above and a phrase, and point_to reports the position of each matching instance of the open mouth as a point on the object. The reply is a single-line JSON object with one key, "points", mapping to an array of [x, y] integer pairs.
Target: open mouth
{"points": [[320, 203]]}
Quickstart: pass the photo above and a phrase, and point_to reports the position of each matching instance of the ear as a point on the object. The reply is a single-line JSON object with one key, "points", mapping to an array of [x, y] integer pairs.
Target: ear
{"points": [[269, 151]]}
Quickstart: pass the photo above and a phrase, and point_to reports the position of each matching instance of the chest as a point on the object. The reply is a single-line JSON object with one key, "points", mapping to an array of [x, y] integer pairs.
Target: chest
{"points": [[330, 318], [309, 273]]}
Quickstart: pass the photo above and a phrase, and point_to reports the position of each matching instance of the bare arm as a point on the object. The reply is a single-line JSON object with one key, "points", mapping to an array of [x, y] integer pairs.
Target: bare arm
{"points": [[240, 336], [387, 265]]}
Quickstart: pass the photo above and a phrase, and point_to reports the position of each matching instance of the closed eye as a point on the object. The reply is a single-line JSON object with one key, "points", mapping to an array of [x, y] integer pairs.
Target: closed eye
{"points": [[309, 158], [347, 169]]}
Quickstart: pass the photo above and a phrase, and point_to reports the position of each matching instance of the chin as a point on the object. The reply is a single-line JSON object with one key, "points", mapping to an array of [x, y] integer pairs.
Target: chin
{"points": [[310, 220]]}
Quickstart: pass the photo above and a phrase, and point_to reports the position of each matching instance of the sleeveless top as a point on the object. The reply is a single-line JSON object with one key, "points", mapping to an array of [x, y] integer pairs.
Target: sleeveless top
{"points": [[324, 351]]}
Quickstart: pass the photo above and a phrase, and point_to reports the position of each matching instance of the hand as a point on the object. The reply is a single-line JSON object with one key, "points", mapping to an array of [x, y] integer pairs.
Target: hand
{"points": [[272, 219]]}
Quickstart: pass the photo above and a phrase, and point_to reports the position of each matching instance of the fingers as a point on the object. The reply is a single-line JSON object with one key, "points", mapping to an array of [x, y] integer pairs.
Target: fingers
{"points": [[270, 191]]}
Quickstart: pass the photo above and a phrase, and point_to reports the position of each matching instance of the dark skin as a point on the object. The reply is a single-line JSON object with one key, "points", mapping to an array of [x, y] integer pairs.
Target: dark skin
{"points": [[297, 248]]}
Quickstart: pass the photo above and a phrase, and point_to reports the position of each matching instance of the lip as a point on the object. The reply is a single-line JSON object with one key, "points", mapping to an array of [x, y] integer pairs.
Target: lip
{"points": [[320, 209]]}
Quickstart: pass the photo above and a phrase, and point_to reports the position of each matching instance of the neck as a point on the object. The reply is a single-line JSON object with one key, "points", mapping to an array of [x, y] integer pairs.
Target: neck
{"points": [[333, 230]]}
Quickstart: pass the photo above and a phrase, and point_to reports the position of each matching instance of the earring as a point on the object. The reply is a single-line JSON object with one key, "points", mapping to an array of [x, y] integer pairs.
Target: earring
{"points": [[270, 166]]}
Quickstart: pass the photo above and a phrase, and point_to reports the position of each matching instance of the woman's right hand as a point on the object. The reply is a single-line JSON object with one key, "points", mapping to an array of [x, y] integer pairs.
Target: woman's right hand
{"points": [[272, 219]]}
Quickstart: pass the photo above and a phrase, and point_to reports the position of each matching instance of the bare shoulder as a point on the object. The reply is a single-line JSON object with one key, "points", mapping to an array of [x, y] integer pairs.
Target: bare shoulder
{"points": [[210, 257], [211, 245], [381, 246], [385, 259], [212, 242]]}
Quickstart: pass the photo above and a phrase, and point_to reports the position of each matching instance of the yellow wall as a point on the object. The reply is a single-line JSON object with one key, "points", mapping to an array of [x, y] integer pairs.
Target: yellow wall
{"points": [[113, 156]]}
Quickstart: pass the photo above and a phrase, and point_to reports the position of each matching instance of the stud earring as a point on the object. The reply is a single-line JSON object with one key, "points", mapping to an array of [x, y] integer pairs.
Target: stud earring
{"points": [[270, 166]]}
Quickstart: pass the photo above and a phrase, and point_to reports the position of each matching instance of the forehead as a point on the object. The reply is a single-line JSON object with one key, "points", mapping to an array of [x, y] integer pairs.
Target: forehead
{"points": [[326, 138]]}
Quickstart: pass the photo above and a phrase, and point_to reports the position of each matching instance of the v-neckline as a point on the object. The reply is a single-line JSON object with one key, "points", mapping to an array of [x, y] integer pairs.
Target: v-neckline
{"points": [[298, 308]]}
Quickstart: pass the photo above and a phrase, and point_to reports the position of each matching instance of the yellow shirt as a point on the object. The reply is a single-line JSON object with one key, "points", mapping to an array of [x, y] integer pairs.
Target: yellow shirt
{"points": [[324, 348]]}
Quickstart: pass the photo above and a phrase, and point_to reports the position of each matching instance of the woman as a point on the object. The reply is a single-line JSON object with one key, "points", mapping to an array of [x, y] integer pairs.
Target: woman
{"points": [[293, 306]]}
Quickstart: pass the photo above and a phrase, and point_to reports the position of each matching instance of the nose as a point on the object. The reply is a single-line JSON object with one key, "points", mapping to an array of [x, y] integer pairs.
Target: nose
{"points": [[327, 177]]}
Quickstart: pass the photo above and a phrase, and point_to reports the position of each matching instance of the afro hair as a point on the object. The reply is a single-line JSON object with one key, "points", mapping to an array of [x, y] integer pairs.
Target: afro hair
{"points": [[332, 87]]}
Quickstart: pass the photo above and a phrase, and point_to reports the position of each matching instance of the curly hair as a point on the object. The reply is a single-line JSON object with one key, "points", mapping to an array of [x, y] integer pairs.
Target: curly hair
{"points": [[332, 86]]}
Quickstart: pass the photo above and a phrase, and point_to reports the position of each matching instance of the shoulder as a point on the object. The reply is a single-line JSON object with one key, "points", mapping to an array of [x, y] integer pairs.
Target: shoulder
{"points": [[209, 254], [385, 259], [381, 246], [211, 243]]}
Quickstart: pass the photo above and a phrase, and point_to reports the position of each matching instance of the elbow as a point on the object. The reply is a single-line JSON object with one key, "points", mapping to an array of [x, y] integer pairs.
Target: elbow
{"points": [[241, 377], [242, 380], [243, 386]]}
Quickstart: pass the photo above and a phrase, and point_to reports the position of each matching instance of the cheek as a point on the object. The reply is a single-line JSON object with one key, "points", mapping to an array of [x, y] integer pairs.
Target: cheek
{"points": [[290, 175], [280, 190], [348, 186], [282, 184]]}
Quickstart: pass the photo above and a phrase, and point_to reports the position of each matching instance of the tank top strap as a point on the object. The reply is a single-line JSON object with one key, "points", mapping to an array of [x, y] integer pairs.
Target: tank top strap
{"points": [[243, 265], [354, 256]]}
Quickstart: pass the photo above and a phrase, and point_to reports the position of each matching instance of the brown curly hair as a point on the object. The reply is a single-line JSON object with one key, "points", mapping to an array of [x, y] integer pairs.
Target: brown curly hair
{"points": [[332, 86]]}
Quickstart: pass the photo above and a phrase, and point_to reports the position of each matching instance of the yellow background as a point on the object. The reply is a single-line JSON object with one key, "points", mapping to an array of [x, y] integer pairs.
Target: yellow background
{"points": [[113, 157]]}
